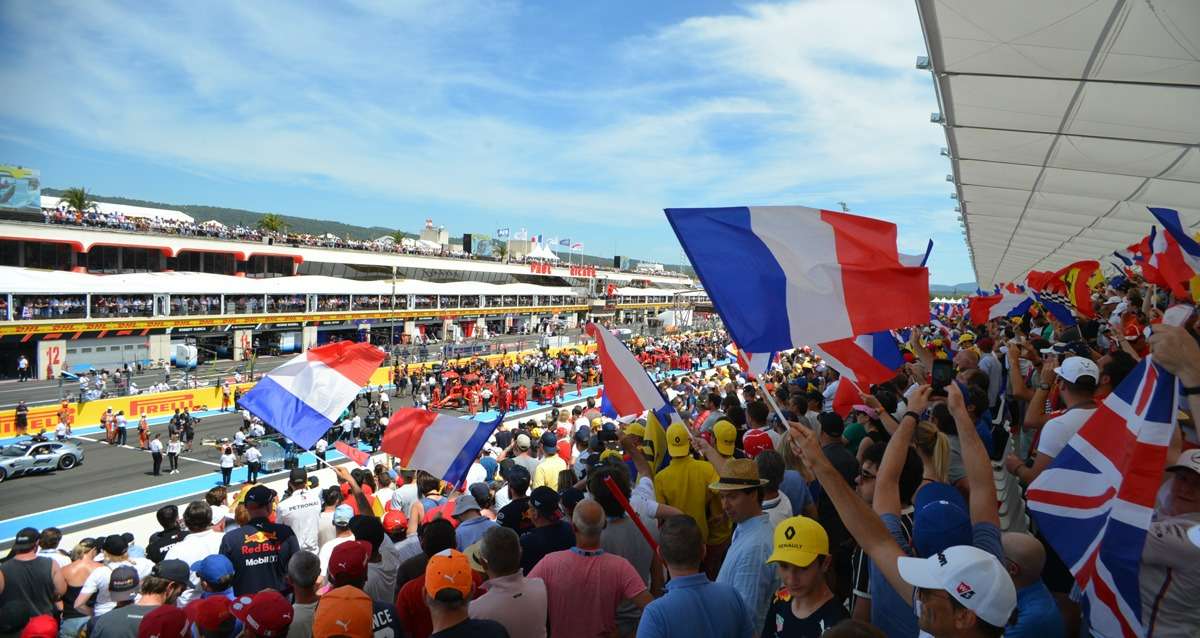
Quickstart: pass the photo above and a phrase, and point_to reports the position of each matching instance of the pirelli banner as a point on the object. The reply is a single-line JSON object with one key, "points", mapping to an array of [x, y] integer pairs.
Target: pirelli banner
{"points": [[45, 418], [98, 329]]}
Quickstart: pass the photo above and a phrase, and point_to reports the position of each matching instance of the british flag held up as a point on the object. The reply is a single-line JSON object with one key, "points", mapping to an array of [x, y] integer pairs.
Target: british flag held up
{"points": [[1094, 503]]}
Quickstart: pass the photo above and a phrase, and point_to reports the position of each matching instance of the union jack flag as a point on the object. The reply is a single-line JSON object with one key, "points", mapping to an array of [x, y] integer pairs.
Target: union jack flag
{"points": [[1094, 502]]}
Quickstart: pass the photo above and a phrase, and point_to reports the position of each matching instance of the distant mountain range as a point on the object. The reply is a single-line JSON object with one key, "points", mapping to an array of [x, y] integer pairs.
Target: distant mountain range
{"points": [[956, 289]]}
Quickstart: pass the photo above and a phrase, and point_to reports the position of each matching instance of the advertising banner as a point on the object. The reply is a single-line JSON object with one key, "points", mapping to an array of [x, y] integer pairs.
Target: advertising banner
{"points": [[20, 188]]}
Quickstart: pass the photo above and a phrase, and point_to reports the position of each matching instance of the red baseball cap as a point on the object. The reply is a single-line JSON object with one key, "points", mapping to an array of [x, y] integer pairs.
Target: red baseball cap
{"points": [[267, 613], [44, 626], [394, 520], [166, 621], [350, 560], [208, 614]]}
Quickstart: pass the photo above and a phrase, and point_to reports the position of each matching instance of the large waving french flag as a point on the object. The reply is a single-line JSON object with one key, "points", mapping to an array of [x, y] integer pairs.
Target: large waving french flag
{"points": [[303, 397], [789, 276], [443, 445], [1174, 253]]}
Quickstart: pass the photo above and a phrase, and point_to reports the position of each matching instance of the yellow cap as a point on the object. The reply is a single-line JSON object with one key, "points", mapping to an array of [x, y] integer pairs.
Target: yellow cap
{"points": [[678, 442], [726, 435], [799, 540], [597, 422], [536, 432], [610, 454], [636, 429], [965, 337]]}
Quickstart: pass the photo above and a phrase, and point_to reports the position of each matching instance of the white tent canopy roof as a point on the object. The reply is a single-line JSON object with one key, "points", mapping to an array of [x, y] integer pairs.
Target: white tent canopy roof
{"points": [[1064, 121], [49, 202]]}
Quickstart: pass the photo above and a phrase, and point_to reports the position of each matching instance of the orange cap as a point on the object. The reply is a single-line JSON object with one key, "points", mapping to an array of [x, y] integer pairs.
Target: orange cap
{"points": [[448, 569], [345, 611], [394, 520]]}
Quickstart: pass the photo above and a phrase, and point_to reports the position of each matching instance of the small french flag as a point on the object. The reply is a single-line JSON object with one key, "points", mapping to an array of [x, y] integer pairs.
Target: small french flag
{"points": [[303, 397], [783, 277], [752, 363], [443, 445], [867, 360]]}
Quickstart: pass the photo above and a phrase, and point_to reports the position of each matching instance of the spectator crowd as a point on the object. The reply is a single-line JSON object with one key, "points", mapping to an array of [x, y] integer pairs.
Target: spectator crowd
{"points": [[771, 509]]}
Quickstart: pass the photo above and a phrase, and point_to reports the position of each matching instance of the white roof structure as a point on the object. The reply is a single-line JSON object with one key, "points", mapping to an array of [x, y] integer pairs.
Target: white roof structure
{"points": [[1064, 121], [165, 214]]}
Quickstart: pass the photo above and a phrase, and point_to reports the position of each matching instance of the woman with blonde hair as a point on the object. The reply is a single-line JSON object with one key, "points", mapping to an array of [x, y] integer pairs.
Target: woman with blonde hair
{"points": [[933, 446]]}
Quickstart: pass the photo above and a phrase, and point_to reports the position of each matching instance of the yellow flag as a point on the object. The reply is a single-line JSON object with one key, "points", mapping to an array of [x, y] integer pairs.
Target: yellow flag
{"points": [[656, 436]]}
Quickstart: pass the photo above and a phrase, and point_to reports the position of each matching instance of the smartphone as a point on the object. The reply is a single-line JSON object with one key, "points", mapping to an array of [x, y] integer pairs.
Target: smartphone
{"points": [[1000, 437], [942, 375]]}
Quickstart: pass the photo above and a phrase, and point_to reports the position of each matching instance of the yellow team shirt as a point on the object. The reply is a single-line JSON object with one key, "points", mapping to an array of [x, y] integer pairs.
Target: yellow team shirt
{"points": [[684, 484], [546, 472]]}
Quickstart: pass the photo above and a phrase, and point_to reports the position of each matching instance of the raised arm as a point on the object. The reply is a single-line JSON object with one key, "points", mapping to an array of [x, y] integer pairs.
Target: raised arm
{"points": [[975, 461], [887, 480], [863, 524]]}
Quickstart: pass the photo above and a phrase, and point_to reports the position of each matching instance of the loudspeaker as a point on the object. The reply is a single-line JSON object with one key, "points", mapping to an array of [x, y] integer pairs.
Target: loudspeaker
{"points": [[467, 243]]}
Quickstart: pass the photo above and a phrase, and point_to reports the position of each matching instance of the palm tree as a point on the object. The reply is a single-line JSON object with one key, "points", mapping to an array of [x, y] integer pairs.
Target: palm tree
{"points": [[397, 236], [78, 199], [502, 250], [272, 223]]}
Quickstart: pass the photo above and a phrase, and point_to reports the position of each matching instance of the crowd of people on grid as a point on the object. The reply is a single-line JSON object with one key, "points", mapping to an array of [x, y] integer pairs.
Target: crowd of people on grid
{"points": [[765, 512]]}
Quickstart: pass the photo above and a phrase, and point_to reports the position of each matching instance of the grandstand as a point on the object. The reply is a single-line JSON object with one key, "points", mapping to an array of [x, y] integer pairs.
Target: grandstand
{"points": [[119, 285]]}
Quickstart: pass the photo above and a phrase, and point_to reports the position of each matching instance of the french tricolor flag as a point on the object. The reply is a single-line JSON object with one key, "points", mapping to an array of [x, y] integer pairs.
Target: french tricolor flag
{"points": [[783, 277], [443, 445], [867, 359], [752, 363], [1006, 304], [627, 387], [303, 397]]}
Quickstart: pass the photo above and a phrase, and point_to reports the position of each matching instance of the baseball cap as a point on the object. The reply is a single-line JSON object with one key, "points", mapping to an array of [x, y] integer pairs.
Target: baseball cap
{"points": [[518, 474], [464, 504], [756, 442], [544, 499], [26, 540], [583, 434], [865, 409], [350, 560], [169, 621], [1189, 460], [342, 515], [636, 429], [965, 337], [213, 568], [726, 435], [267, 613], [678, 442], [44, 626], [173, 570], [738, 474], [940, 519], [975, 578], [298, 475], [1133, 331], [1113, 300], [448, 570], [394, 520], [548, 439], [208, 614], [523, 441], [481, 492], [1072, 368], [115, 544], [831, 423], [799, 540], [345, 611], [259, 495], [123, 583]]}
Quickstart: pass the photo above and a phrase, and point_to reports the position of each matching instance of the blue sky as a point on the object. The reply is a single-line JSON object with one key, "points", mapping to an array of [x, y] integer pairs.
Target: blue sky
{"points": [[571, 119]]}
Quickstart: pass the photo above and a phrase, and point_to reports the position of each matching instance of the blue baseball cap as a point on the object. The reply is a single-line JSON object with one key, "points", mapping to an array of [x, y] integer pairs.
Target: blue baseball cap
{"points": [[940, 519], [213, 568]]}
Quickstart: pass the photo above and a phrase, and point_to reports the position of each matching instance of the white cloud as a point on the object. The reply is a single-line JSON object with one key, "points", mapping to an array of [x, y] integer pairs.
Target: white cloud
{"points": [[808, 102]]}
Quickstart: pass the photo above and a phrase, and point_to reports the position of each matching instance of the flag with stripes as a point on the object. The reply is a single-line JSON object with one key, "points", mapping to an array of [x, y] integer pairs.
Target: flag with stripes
{"points": [[1094, 503]]}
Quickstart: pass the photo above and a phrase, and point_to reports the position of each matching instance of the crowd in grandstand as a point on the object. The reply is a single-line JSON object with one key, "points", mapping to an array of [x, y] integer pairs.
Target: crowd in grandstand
{"points": [[770, 510]]}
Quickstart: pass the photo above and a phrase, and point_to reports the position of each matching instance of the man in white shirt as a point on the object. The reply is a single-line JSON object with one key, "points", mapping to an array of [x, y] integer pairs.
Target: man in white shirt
{"points": [[116, 554], [341, 522], [200, 542], [48, 542], [301, 510], [253, 462], [1077, 379]]}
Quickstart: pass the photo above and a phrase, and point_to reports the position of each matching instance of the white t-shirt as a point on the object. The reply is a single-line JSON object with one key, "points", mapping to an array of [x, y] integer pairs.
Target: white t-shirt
{"points": [[174, 447], [1060, 429], [327, 552], [227, 460], [193, 548], [641, 499], [321, 446], [302, 512], [253, 455], [156, 446], [53, 554], [97, 582]]}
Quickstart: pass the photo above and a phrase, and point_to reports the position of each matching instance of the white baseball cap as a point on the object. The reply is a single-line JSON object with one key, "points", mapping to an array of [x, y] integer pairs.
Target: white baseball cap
{"points": [[975, 578], [1074, 367], [1189, 460]]}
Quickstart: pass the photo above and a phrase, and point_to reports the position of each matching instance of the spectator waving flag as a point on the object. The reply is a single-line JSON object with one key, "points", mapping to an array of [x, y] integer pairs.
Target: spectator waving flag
{"points": [[1095, 501], [303, 397], [863, 361], [443, 445], [1175, 254], [784, 277]]}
